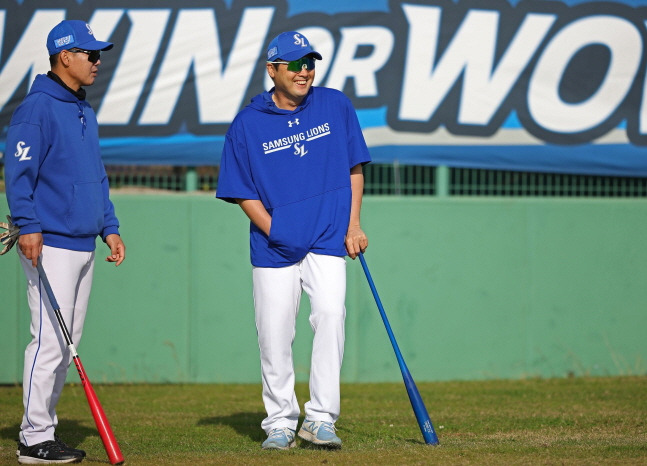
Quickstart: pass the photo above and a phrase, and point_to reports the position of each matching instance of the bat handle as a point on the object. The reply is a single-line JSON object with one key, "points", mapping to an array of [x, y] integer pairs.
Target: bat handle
{"points": [[378, 301], [46, 285], [54, 303]]}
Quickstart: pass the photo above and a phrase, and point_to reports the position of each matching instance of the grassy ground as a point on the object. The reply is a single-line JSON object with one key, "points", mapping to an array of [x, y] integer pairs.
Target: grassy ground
{"points": [[557, 421]]}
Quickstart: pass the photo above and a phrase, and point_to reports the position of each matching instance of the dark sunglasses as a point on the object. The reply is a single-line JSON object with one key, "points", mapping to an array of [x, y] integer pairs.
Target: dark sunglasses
{"points": [[297, 65], [93, 55]]}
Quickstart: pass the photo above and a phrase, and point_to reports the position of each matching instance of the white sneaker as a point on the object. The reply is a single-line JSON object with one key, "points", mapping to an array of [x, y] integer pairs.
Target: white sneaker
{"points": [[320, 433], [280, 439]]}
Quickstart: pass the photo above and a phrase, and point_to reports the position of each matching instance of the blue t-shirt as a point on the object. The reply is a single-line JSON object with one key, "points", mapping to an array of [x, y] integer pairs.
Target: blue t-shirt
{"points": [[297, 163]]}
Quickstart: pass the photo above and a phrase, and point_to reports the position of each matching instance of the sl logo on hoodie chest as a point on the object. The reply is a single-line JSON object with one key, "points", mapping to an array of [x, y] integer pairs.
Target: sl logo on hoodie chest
{"points": [[297, 141]]}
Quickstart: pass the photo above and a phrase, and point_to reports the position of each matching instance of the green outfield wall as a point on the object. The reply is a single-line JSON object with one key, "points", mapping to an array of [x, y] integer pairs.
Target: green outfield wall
{"points": [[475, 288]]}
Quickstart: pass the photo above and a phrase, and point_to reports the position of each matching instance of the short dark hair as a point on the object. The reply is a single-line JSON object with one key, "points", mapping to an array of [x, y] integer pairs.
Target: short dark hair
{"points": [[53, 59]]}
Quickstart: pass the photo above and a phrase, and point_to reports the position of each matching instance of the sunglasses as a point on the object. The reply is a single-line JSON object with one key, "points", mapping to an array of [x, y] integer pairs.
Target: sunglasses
{"points": [[307, 63], [93, 55]]}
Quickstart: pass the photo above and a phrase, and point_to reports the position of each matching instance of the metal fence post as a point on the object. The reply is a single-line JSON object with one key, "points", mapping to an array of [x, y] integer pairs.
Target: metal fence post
{"points": [[397, 190], [442, 181], [191, 179]]}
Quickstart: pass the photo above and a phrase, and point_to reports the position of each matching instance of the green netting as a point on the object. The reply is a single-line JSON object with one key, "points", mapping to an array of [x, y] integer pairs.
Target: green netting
{"points": [[400, 180], [468, 182]]}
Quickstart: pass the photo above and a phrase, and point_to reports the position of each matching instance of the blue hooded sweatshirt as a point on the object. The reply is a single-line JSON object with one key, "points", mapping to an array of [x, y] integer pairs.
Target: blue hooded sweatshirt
{"points": [[56, 181], [297, 163]]}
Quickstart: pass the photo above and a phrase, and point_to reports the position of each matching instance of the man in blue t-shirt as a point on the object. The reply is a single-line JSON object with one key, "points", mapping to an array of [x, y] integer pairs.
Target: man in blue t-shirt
{"points": [[293, 162], [58, 195]]}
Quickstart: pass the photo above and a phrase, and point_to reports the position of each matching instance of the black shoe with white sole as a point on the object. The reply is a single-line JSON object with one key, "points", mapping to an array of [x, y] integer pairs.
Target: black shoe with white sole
{"points": [[58, 440], [49, 452]]}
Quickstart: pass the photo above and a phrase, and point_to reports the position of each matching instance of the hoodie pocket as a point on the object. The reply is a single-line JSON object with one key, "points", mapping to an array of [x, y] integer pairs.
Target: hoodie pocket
{"points": [[85, 216], [288, 234]]}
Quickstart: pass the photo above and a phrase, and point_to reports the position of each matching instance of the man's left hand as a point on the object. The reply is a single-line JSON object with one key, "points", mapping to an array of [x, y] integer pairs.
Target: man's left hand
{"points": [[356, 241], [117, 249]]}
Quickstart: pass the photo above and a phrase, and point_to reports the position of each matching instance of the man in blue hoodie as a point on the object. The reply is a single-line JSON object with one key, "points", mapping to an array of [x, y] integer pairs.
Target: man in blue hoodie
{"points": [[57, 190], [293, 162]]}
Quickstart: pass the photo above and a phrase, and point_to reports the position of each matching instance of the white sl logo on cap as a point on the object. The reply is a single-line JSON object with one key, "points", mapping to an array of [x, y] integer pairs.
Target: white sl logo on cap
{"points": [[89, 30], [298, 40]]}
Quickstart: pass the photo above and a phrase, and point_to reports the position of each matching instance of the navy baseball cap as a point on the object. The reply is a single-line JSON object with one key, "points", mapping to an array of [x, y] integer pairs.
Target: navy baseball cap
{"points": [[71, 34], [290, 46]]}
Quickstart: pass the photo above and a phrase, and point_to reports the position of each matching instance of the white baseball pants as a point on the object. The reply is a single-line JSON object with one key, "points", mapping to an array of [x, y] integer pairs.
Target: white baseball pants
{"points": [[47, 357], [277, 293]]}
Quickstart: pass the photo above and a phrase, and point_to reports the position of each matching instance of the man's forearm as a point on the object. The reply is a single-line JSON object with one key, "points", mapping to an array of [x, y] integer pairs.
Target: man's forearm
{"points": [[257, 213], [357, 189]]}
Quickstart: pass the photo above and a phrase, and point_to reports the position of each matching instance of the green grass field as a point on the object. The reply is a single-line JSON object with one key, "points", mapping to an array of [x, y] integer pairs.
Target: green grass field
{"points": [[555, 421]]}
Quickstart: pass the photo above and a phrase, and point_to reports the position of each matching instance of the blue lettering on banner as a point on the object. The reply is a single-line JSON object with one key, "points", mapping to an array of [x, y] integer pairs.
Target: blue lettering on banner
{"points": [[518, 84]]}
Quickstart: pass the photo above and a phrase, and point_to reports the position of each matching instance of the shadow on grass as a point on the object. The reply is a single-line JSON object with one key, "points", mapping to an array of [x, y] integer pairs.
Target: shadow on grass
{"points": [[420, 442], [248, 424], [72, 432]]}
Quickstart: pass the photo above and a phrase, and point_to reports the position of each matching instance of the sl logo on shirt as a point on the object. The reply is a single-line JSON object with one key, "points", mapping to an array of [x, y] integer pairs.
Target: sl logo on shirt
{"points": [[300, 149], [22, 151]]}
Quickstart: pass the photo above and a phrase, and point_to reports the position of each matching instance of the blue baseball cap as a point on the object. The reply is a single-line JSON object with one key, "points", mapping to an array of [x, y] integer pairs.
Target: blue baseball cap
{"points": [[290, 46], [71, 34]]}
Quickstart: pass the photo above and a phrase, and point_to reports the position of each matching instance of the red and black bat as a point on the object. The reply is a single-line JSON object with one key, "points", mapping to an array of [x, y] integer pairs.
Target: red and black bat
{"points": [[100, 419]]}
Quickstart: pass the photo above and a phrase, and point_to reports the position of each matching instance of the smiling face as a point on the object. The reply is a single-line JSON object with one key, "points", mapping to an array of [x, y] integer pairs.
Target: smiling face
{"points": [[290, 87]]}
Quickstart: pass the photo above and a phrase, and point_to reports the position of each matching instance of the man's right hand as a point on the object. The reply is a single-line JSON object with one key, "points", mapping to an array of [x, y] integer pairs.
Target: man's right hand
{"points": [[31, 245]]}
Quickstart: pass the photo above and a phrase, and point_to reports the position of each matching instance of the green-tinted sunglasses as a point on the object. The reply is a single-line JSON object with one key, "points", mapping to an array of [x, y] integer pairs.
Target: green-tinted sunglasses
{"points": [[297, 65]]}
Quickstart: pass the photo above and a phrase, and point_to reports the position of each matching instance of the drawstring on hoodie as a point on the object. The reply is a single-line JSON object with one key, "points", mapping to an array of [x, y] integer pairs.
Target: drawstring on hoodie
{"points": [[82, 118], [79, 94]]}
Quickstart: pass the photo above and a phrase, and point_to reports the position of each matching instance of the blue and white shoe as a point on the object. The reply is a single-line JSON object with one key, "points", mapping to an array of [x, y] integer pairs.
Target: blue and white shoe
{"points": [[280, 439], [320, 433]]}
